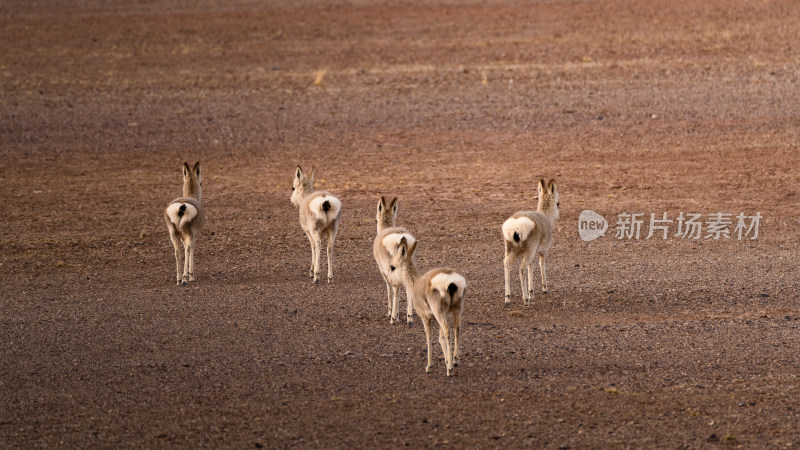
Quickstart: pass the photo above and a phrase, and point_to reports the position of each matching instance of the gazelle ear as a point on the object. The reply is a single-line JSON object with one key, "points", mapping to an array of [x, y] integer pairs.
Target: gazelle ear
{"points": [[552, 187], [311, 175], [197, 168], [298, 173], [186, 169], [393, 205], [403, 246], [412, 249], [381, 204], [542, 187]]}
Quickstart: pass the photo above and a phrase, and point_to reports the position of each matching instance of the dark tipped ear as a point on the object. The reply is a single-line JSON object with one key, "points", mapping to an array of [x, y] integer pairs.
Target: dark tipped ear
{"points": [[186, 169], [381, 204], [393, 205], [542, 187], [311, 174], [197, 168], [298, 173], [552, 186], [412, 249]]}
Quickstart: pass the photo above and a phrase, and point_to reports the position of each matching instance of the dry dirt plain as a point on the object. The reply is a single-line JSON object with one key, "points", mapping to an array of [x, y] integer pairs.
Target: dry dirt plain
{"points": [[455, 107]]}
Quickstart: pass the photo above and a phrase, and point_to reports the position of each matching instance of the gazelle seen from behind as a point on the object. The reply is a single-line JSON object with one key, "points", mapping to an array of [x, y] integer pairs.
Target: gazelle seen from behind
{"points": [[385, 246], [319, 217], [185, 218], [435, 295], [528, 234]]}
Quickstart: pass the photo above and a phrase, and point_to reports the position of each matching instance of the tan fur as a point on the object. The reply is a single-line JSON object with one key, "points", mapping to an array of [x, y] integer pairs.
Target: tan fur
{"points": [[536, 242], [384, 247], [316, 223], [185, 228], [433, 302], [386, 214], [385, 217]]}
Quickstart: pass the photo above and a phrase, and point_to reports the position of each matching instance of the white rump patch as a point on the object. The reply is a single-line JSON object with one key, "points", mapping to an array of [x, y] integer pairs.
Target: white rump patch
{"points": [[188, 214], [443, 280], [522, 225], [392, 241], [315, 205]]}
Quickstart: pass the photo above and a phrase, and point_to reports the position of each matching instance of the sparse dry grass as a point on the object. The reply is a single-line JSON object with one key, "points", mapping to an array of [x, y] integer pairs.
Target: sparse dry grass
{"points": [[320, 74]]}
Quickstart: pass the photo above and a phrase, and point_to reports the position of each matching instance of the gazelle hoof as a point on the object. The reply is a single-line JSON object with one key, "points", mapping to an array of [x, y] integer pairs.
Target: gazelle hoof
{"points": [[428, 369], [410, 323], [330, 280], [392, 321], [508, 300], [184, 283]]}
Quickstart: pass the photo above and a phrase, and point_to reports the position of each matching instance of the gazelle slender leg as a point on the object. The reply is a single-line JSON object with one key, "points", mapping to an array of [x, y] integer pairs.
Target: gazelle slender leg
{"points": [[426, 323], [444, 341], [525, 299], [507, 260], [544, 272], [191, 258], [187, 243], [456, 334], [317, 251], [313, 254], [176, 244], [389, 298], [393, 311], [331, 241], [409, 309], [530, 279]]}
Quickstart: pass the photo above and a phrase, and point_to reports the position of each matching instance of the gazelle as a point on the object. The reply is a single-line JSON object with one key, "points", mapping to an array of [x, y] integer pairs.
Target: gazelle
{"points": [[384, 248], [435, 295], [185, 218], [528, 234], [319, 217]]}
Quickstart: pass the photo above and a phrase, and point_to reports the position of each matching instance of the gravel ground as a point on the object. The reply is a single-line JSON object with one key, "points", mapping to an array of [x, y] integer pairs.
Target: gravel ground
{"points": [[455, 107]]}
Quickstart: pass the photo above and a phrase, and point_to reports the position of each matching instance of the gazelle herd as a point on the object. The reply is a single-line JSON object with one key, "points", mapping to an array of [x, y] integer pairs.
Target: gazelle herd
{"points": [[433, 295]]}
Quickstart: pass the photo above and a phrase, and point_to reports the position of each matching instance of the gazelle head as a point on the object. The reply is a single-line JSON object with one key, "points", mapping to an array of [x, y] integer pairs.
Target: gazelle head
{"points": [[386, 214], [192, 181], [302, 185], [549, 200], [403, 259]]}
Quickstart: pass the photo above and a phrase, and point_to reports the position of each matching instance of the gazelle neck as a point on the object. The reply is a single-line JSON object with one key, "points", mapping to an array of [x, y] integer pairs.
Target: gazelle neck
{"points": [[410, 274], [548, 207], [384, 224], [192, 189]]}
